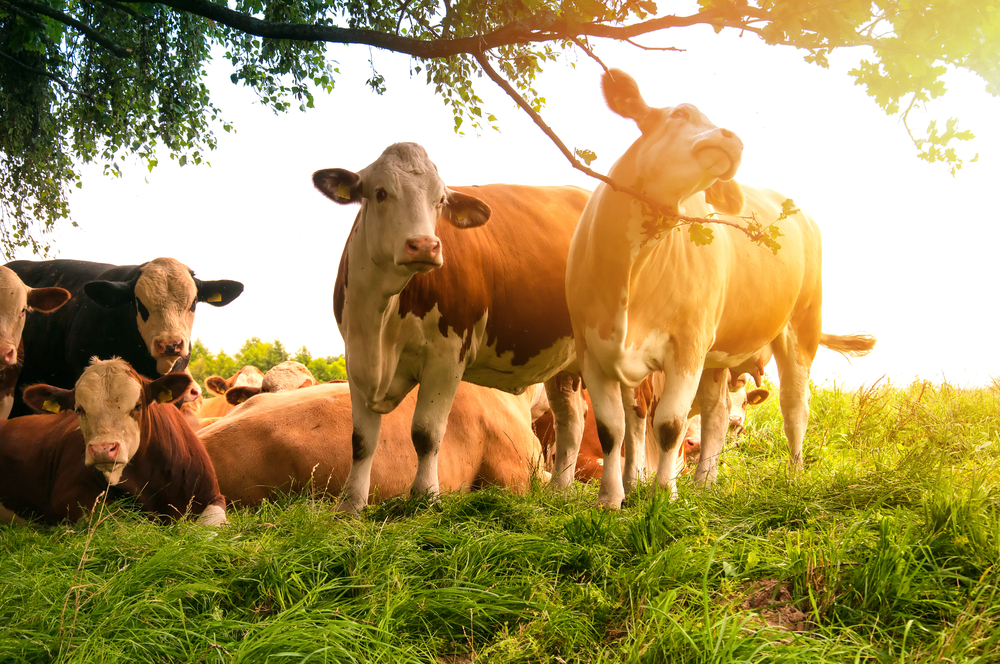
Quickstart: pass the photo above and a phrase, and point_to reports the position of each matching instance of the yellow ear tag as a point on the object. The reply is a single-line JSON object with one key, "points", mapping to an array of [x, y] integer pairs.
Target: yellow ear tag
{"points": [[460, 216], [214, 297], [165, 396], [52, 406], [344, 191]]}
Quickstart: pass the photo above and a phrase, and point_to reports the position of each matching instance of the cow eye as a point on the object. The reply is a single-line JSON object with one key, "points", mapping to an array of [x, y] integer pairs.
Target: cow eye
{"points": [[24, 311], [680, 113], [381, 195], [80, 411], [444, 199], [143, 311], [193, 303]]}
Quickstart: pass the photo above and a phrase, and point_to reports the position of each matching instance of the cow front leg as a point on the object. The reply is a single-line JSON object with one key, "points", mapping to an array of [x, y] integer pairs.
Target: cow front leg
{"points": [[567, 405], [712, 402], [670, 425], [430, 420], [635, 441], [605, 396], [364, 442]]}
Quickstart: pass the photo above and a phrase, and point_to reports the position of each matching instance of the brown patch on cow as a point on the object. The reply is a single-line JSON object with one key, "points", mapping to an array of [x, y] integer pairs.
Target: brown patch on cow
{"points": [[529, 234], [422, 442], [340, 286], [671, 431], [357, 446], [772, 601], [607, 440]]}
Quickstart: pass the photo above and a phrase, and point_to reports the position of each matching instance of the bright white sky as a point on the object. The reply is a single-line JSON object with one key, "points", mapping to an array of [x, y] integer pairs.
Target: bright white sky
{"points": [[909, 251]]}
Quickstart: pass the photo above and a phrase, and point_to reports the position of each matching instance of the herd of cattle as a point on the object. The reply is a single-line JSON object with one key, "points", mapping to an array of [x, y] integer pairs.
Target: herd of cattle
{"points": [[560, 289]]}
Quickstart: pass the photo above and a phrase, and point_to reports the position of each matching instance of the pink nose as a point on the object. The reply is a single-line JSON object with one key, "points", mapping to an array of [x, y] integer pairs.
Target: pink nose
{"points": [[194, 393], [692, 446], [170, 348], [8, 355], [104, 452], [736, 423], [423, 249]]}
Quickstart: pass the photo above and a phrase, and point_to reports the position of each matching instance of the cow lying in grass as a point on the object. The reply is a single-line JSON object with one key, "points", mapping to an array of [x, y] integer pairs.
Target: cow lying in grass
{"points": [[301, 440], [115, 432], [284, 377]]}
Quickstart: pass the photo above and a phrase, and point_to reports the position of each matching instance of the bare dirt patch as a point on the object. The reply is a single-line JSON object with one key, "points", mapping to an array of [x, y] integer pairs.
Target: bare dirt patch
{"points": [[772, 601]]}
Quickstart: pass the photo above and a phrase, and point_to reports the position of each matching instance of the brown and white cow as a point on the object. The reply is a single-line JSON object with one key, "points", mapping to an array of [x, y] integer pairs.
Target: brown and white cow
{"points": [[429, 293], [283, 377], [298, 440], [643, 299], [16, 300], [115, 432]]}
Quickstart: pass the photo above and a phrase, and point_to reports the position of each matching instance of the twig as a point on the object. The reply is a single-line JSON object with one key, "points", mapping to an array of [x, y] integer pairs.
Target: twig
{"points": [[41, 72], [656, 48], [87, 31]]}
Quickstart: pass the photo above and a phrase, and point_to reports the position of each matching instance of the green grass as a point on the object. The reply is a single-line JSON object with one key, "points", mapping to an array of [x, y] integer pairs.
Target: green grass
{"points": [[886, 548]]}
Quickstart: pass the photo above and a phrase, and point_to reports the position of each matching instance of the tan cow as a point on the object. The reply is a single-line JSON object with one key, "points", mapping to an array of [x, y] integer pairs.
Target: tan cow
{"points": [[429, 293], [283, 377], [300, 440], [643, 298], [209, 410]]}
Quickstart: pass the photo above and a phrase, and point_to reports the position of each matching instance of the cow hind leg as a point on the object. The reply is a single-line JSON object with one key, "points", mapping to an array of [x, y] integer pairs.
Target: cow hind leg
{"points": [[712, 402], [566, 401], [634, 470], [364, 442], [430, 419], [794, 362], [605, 395], [670, 424]]}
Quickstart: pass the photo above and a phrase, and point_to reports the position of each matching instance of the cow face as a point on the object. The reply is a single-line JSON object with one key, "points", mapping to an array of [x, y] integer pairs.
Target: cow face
{"points": [[680, 151], [16, 300], [740, 400], [402, 198], [248, 376], [110, 400], [164, 294], [284, 377]]}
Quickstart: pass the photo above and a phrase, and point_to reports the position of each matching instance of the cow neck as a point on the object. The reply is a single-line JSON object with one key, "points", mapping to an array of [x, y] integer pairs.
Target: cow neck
{"points": [[372, 295]]}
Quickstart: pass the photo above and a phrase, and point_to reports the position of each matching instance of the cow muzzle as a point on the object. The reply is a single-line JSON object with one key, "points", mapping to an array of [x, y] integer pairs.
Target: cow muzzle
{"points": [[110, 458], [8, 355], [736, 424], [719, 152], [422, 253]]}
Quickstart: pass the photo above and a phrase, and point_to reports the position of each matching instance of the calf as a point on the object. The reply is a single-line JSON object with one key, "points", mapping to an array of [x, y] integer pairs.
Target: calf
{"points": [[140, 313], [115, 432], [294, 440], [16, 300]]}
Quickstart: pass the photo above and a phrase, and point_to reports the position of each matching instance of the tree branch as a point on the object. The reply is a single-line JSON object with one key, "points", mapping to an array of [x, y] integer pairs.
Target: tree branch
{"points": [[124, 8], [41, 72], [85, 29]]}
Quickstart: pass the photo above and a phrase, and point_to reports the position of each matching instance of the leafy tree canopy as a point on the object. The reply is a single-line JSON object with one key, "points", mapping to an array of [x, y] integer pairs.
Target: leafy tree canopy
{"points": [[263, 355], [99, 80]]}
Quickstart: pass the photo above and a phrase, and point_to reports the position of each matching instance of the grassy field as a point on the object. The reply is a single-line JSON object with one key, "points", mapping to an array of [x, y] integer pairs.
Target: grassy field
{"points": [[885, 549]]}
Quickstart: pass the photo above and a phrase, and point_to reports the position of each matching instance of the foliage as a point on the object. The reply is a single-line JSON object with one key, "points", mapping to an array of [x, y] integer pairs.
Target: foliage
{"points": [[102, 80], [885, 549], [263, 355]]}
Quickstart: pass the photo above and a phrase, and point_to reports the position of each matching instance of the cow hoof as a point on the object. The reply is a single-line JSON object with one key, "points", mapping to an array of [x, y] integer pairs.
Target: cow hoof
{"points": [[610, 502], [345, 506]]}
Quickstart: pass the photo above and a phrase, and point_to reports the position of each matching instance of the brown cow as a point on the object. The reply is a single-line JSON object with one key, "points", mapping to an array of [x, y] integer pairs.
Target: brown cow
{"points": [[289, 375], [297, 440], [115, 432]]}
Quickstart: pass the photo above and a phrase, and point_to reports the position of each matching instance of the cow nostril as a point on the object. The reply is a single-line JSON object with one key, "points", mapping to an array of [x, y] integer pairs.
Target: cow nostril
{"points": [[727, 133]]}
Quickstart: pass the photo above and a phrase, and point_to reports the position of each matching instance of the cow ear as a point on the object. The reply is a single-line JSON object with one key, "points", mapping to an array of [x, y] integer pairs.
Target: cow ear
{"points": [[168, 388], [339, 185], [216, 385], [218, 293], [308, 382], [237, 395], [47, 399], [621, 92], [47, 299], [726, 197], [757, 397], [110, 294], [464, 211]]}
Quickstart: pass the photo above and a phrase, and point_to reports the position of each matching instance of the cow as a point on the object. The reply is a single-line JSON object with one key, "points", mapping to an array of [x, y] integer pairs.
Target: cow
{"points": [[217, 406], [16, 300], [291, 441], [288, 375], [644, 297], [140, 313], [114, 433], [428, 292]]}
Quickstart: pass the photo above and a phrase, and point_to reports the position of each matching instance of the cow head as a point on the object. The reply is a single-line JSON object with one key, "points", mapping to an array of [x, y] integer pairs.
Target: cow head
{"points": [[164, 295], [740, 400], [284, 377], [402, 198], [111, 402], [248, 376], [16, 300], [680, 152]]}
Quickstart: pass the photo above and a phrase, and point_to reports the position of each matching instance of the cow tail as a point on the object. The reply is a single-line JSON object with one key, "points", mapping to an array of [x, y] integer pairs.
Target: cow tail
{"points": [[851, 345]]}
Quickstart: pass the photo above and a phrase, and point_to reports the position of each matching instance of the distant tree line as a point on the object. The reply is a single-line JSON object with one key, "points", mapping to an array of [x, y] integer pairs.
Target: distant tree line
{"points": [[263, 355]]}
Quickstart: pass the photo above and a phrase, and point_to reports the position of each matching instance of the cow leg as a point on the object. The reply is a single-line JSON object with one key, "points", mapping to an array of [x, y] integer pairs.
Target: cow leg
{"points": [[364, 441], [670, 425], [635, 442], [605, 395], [794, 363], [567, 405], [713, 404], [430, 419]]}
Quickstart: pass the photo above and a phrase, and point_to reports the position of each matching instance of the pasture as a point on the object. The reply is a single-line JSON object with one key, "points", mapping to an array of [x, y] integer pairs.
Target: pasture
{"points": [[885, 549]]}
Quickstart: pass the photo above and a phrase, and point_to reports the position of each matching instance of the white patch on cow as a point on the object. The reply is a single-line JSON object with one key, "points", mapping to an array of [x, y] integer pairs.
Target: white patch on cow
{"points": [[107, 396], [288, 375], [213, 515], [248, 376], [167, 291], [717, 359]]}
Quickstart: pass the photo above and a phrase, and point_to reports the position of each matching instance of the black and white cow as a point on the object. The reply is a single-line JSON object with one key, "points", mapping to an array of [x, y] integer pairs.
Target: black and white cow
{"points": [[140, 313]]}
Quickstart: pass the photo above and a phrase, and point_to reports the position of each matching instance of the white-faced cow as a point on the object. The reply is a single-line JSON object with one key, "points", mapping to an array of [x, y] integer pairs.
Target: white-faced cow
{"points": [[140, 313], [115, 432], [642, 299], [299, 440], [286, 376], [16, 300], [429, 293]]}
